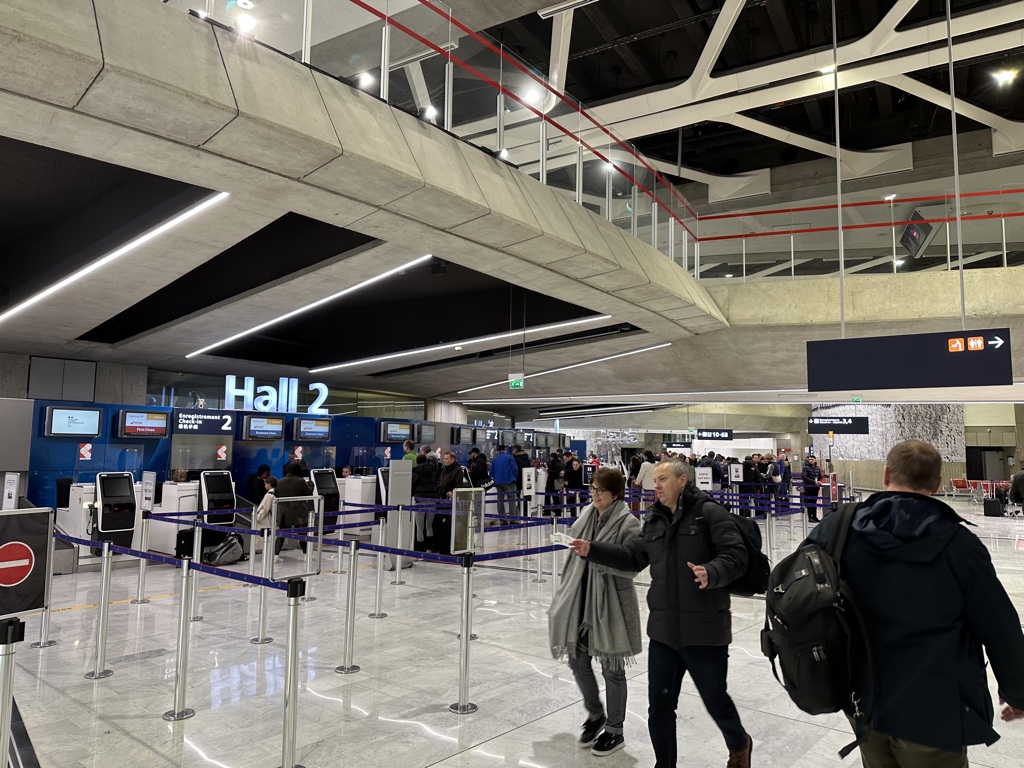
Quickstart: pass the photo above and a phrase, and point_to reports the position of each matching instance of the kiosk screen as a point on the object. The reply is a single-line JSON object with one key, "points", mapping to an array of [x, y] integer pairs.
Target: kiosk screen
{"points": [[143, 424], [312, 429], [117, 487], [72, 422], [218, 485], [263, 428], [325, 483]]}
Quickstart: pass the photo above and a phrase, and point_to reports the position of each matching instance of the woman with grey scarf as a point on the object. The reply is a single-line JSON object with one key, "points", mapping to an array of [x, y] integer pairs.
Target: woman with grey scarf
{"points": [[596, 613]]}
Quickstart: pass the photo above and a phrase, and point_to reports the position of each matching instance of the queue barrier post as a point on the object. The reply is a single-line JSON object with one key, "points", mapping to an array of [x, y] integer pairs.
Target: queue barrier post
{"points": [[398, 545], [12, 631], [98, 671], [310, 523], [197, 557], [140, 595], [382, 535], [44, 625], [769, 530], [803, 522], [539, 578], [268, 562], [296, 591], [348, 667], [253, 537], [180, 711], [463, 706]]}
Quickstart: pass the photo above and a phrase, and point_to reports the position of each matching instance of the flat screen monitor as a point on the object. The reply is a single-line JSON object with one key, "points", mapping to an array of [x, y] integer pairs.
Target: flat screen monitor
{"points": [[466, 435], [540, 440], [219, 484], [326, 483], [142, 424], [917, 235], [507, 437], [306, 430], [427, 433], [528, 440], [116, 487], [263, 428], [520, 438], [73, 422], [395, 431]]}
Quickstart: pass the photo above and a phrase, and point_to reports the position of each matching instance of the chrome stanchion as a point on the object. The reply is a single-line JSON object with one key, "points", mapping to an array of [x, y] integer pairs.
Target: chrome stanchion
{"points": [[803, 520], [554, 563], [11, 631], [140, 595], [350, 610], [252, 549], [382, 536], [539, 578], [769, 531], [180, 711], [463, 705], [197, 557], [268, 562], [98, 671], [44, 626], [398, 545], [310, 523], [296, 590]]}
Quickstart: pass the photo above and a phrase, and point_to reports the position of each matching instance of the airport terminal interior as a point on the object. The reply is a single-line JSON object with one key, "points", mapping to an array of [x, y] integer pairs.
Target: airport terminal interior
{"points": [[340, 241]]}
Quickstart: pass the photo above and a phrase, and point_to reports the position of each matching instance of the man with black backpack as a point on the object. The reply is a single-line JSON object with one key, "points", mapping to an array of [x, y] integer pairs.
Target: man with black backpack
{"points": [[695, 550], [932, 608]]}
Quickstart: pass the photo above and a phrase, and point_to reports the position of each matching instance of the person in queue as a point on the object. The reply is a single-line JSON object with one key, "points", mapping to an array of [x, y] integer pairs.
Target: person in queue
{"points": [[1016, 492], [522, 459], [410, 451], [645, 477], [573, 474], [554, 482], [504, 470], [931, 602], [448, 480], [811, 475], [695, 551], [595, 614], [291, 514], [262, 519], [424, 486], [477, 466], [254, 485]]}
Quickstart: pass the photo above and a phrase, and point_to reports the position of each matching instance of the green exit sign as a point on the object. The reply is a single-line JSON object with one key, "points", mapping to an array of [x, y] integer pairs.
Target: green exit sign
{"points": [[515, 383], [857, 399]]}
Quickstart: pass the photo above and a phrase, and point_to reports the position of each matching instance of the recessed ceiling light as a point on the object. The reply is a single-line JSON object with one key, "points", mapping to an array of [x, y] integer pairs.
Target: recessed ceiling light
{"points": [[503, 154], [728, 275], [899, 262], [245, 23], [366, 80], [891, 197], [246, 5], [431, 112], [828, 70], [1005, 76]]}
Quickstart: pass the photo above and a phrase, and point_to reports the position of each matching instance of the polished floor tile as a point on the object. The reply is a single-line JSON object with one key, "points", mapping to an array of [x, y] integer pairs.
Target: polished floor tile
{"points": [[394, 712]]}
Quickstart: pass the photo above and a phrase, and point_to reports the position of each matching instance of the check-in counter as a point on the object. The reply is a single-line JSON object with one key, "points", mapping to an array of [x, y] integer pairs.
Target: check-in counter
{"points": [[360, 489], [177, 497]]}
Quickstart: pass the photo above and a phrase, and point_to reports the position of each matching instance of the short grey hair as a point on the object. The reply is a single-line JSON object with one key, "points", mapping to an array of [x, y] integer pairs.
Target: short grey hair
{"points": [[679, 468]]}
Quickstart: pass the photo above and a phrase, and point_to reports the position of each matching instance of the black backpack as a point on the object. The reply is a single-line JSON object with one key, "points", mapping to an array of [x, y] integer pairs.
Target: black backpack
{"points": [[228, 552], [814, 629], [754, 580]]}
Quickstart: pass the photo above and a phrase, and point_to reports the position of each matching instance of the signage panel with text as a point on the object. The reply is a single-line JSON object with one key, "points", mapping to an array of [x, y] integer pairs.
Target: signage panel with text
{"points": [[714, 434], [841, 425]]}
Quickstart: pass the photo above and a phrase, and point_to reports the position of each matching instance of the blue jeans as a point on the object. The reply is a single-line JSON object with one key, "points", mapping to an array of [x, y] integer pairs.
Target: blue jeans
{"points": [[708, 666]]}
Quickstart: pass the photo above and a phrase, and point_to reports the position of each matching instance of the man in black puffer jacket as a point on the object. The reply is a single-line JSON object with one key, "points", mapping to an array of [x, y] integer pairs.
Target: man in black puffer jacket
{"points": [[695, 551], [931, 600]]}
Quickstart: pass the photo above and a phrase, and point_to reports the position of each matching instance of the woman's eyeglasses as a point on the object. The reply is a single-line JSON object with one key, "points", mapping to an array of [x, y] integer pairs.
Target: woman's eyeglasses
{"points": [[594, 490]]}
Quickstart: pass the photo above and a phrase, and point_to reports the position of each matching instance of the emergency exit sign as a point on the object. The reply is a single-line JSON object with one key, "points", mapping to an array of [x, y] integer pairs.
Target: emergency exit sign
{"points": [[515, 380]]}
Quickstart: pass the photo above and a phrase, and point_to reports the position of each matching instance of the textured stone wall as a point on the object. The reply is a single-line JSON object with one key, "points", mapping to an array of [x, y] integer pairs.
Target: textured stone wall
{"points": [[942, 425]]}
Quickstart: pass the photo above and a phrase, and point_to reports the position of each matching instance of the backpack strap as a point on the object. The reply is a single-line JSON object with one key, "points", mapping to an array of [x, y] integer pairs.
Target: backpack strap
{"points": [[841, 530]]}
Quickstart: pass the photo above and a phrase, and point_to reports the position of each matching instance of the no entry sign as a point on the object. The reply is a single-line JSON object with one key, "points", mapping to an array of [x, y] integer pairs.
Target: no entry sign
{"points": [[16, 561], [23, 559]]}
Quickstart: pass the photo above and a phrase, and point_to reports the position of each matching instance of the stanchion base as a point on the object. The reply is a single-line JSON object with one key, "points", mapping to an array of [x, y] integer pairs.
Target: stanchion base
{"points": [[185, 714], [347, 670], [261, 640], [377, 615], [248, 586], [47, 644], [398, 583], [143, 601], [295, 766], [93, 676], [308, 599], [196, 618], [462, 709], [473, 636], [540, 581]]}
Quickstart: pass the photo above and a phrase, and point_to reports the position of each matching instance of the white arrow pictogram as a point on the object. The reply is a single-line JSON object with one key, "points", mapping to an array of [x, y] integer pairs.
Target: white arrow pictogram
{"points": [[997, 343], [16, 563]]}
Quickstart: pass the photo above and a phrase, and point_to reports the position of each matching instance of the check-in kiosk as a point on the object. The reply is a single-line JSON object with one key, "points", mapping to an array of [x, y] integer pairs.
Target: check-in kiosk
{"points": [[218, 492], [112, 516], [325, 485]]}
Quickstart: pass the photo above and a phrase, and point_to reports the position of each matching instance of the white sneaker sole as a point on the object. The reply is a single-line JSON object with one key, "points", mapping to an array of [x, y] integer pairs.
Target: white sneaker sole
{"points": [[612, 751]]}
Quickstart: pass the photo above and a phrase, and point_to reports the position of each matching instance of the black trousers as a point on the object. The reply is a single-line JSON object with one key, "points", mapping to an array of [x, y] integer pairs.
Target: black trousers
{"points": [[708, 666], [811, 493]]}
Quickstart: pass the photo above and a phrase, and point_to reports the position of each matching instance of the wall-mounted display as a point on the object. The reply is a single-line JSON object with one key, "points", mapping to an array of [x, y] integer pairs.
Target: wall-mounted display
{"points": [[143, 424], [317, 430], [73, 422], [263, 428]]}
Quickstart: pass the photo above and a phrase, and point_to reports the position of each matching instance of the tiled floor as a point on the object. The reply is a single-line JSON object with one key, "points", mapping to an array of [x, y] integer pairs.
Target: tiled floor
{"points": [[394, 712]]}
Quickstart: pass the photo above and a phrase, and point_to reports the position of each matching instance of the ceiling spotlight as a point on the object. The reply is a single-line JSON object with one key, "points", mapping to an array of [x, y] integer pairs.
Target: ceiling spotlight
{"points": [[431, 112], [458, 349], [503, 154], [828, 70], [899, 262], [366, 80], [891, 197], [246, 5], [532, 96], [609, 167], [1005, 76], [728, 275], [245, 23]]}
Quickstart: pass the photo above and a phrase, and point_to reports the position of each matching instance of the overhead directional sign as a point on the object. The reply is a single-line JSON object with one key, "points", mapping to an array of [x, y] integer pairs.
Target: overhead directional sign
{"points": [[714, 434], [913, 361], [841, 425]]}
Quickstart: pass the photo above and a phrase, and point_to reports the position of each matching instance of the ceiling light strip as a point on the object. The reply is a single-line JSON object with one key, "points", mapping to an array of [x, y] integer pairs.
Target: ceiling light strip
{"points": [[574, 365], [619, 407], [592, 415], [131, 245], [456, 344], [307, 307]]}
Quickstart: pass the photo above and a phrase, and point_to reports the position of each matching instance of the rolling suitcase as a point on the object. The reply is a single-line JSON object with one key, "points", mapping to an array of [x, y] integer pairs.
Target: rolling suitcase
{"points": [[993, 508]]}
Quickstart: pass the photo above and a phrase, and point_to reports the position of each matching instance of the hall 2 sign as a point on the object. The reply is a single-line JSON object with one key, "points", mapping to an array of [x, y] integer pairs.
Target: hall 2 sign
{"points": [[283, 399]]}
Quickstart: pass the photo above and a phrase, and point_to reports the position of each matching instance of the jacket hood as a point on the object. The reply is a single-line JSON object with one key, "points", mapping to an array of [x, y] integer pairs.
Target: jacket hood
{"points": [[907, 527]]}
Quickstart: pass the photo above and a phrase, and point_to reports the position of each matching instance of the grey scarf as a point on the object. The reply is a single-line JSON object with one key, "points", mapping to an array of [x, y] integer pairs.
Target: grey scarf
{"points": [[611, 619]]}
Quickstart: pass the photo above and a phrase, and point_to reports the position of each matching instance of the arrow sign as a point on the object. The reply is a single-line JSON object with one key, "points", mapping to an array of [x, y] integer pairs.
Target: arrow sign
{"points": [[997, 343]]}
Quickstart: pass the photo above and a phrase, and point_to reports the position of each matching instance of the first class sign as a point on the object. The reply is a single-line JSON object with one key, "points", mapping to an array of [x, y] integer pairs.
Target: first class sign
{"points": [[840, 425]]}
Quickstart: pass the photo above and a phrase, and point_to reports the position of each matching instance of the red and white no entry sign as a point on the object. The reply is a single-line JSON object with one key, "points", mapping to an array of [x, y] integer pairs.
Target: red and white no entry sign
{"points": [[16, 561]]}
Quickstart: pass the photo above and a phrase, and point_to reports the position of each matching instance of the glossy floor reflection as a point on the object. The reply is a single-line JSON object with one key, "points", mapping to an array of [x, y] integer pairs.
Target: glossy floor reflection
{"points": [[394, 712]]}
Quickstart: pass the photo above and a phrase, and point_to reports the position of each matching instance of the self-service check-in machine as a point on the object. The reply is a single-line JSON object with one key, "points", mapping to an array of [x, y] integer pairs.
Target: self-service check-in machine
{"points": [[395, 483], [217, 491], [325, 485], [112, 516]]}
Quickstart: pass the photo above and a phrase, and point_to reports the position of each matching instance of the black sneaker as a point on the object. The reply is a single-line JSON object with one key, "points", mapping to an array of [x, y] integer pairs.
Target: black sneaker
{"points": [[608, 743], [590, 731]]}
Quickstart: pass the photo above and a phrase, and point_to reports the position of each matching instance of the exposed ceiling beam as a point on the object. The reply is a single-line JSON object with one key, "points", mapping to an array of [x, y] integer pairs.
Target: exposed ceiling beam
{"points": [[720, 34], [777, 268], [955, 262], [609, 25]]}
